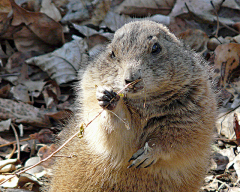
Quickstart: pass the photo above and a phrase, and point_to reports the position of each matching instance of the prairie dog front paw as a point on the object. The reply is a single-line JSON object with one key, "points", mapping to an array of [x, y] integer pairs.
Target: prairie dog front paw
{"points": [[107, 98], [143, 157]]}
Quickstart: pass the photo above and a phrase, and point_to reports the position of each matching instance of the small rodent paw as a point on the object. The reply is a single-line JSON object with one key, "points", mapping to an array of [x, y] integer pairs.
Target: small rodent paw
{"points": [[143, 157], [107, 98]]}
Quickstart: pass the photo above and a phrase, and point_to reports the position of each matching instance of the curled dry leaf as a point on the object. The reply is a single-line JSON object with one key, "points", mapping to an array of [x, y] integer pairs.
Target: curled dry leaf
{"points": [[201, 11], [44, 136], [30, 30], [63, 64], [146, 7], [32, 161], [3, 163], [22, 113], [51, 94], [223, 158], [30, 181], [195, 38], [61, 116], [43, 26], [44, 152], [226, 67]]}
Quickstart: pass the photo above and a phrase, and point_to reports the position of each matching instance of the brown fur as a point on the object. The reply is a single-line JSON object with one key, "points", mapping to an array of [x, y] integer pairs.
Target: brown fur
{"points": [[174, 113]]}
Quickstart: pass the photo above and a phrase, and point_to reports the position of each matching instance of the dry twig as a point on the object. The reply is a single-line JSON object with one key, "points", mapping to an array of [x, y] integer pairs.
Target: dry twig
{"points": [[17, 139], [74, 135]]}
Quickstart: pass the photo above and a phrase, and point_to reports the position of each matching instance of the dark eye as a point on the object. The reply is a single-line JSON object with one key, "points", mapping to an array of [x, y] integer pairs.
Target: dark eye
{"points": [[112, 55], [156, 48]]}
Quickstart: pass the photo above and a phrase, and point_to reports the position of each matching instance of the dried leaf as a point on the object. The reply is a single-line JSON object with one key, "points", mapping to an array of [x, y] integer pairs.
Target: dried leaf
{"points": [[236, 127], [3, 163], [50, 10], [51, 93], [237, 26], [223, 157], [100, 11], [20, 93], [63, 64], [77, 12], [5, 6], [44, 136], [226, 60], [8, 169], [233, 4], [146, 7], [32, 161], [48, 30], [27, 178], [25, 40], [237, 166], [195, 38], [201, 11], [61, 115], [22, 113], [34, 87], [96, 40], [44, 152], [114, 21], [10, 183], [4, 91], [5, 125], [5, 17], [224, 124]]}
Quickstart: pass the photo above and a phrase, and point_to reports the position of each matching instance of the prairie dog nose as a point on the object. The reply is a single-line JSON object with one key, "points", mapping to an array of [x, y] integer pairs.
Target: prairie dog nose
{"points": [[131, 76]]}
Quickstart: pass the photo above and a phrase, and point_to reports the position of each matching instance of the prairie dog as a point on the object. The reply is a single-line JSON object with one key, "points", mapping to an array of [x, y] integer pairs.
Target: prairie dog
{"points": [[157, 135]]}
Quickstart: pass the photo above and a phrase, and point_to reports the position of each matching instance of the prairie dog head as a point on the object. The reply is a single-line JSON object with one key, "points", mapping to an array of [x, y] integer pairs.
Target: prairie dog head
{"points": [[147, 51]]}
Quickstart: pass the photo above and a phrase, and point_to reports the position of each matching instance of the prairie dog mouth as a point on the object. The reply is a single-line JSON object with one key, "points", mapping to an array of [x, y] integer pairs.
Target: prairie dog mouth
{"points": [[134, 86]]}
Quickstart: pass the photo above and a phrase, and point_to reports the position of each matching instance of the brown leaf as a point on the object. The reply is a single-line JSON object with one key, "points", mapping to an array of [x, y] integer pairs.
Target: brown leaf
{"points": [[61, 115], [146, 7], [226, 61], [25, 40], [95, 40], [237, 26], [4, 91], [44, 152], [195, 38], [44, 136], [22, 113], [40, 24], [5, 8]]}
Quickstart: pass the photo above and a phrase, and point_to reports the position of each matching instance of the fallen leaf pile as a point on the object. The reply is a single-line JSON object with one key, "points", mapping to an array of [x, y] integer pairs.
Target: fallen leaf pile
{"points": [[43, 45]]}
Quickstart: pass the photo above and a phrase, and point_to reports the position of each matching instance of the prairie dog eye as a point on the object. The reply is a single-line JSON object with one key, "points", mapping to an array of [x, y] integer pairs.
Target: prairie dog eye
{"points": [[112, 55], [156, 48]]}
